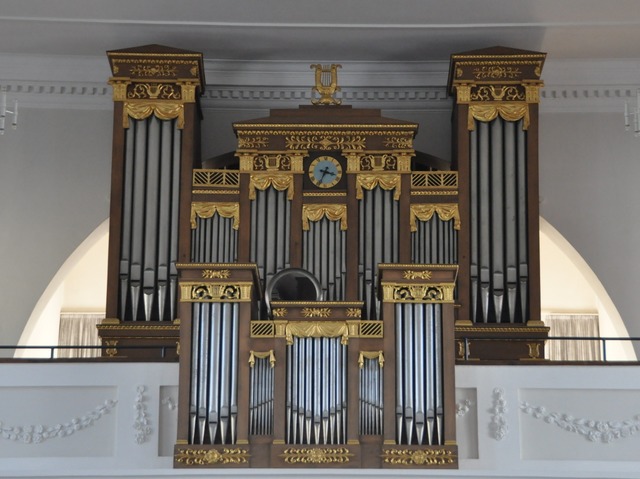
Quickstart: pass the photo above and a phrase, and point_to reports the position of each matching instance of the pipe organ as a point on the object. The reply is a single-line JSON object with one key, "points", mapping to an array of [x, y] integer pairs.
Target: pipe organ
{"points": [[313, 279], [155, 145], [496, 93]]}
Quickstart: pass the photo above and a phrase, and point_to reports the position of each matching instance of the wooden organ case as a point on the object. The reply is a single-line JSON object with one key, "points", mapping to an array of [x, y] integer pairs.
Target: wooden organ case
{"points": [[355, 368], [495, 151], [155, 147]]}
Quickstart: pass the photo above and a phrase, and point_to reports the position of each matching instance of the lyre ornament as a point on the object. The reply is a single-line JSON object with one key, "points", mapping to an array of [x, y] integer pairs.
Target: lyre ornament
{"points": [[326, 84]]}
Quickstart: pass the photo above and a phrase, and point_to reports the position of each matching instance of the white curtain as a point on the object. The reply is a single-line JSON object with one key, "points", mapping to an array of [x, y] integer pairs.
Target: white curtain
{"points": [[574, 325], [79, 329]]}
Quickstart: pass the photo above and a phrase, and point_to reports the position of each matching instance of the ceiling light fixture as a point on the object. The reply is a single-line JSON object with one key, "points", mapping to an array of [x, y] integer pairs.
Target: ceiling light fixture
{"points": [[633, 114], [4, 112]]}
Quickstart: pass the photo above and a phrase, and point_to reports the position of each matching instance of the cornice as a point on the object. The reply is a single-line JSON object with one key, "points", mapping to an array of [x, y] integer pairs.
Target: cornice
{"points": [[571, 86]]}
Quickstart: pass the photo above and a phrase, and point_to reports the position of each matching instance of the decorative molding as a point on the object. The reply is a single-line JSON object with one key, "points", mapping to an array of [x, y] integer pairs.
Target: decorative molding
{"points": [[36, 434], [498, 426], [309, 455], [141, 422], [592, 430], [418, 457], [203, 457]]}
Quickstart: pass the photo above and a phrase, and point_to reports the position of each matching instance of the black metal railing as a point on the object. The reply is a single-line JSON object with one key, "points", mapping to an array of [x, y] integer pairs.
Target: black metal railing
{"points": [[603, 341], [162, 349]]}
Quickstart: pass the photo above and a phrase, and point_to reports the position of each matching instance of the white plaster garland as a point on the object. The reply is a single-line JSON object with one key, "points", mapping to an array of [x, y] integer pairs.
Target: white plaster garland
{"points": [[36, 434], [498, 426], [595, 431], [141, 423], [463, 407]]}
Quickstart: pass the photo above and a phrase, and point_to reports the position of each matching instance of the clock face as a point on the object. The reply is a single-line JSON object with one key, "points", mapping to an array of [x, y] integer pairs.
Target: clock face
{"points": [[325, 171]]}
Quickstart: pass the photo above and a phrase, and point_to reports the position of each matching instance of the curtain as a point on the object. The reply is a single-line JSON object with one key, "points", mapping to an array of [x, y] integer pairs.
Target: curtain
{"points": [[79, 329], [574, 325]]}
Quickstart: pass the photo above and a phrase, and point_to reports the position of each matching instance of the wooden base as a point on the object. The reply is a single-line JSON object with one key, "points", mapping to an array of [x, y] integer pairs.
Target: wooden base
{"points": [[370, 455], [495, 342], [140, 341]]}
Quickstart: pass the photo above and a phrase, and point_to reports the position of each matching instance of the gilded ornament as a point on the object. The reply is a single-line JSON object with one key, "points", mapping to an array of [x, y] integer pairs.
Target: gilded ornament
{"points": [[425, 211], [326, 84], [409, 274], [203, 457], [154, 91], [371, 355], [262, 355], [316, 455], [507, 111], [111, 350], [205, 209], [384, 181], [157, 70], [353, 313], [253, 142], [418, 293], [316, 312], [279, 181], [418, 457], [494, 72], [434, 179], [315, 212], [492, 93], [325, 142], [215, 292], [140, 110], [216, 273], [279, 312], [317, 329], [399, 142], [370, 329], [216, 178], [262, 329], [534, 350]]}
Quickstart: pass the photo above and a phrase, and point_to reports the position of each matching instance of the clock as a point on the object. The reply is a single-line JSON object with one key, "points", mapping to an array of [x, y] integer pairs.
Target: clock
{"points": [[325, 171]]}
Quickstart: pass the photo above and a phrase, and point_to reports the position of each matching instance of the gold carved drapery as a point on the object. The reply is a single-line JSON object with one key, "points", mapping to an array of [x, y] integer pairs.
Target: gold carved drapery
{"points": [[424, 212], [204, 209], [315, 212], [487, 112], [162, 110], [281, 182], [384, 181], [317, 329]]}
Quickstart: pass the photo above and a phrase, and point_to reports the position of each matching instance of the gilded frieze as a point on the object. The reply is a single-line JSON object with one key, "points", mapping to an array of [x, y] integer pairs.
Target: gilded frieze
{"points": [[419, 457], [215, 292], [316, 455], [202, 457], [325, 142], [417, 293], [216, 273]]}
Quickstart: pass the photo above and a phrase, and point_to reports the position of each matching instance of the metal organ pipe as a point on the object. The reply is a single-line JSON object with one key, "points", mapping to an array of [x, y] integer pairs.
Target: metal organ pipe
{"points": [[498, 205], [324, 246], [149, 239], [378, 242], [214, 373], [419, 383]]}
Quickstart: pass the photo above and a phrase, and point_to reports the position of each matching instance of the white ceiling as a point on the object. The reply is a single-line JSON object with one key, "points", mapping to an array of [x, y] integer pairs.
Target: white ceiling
{"points": [[323, 30]]}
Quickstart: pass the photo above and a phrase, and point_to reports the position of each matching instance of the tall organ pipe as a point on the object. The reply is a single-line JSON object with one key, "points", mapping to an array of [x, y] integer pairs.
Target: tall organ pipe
{"points": [[149, 237]]}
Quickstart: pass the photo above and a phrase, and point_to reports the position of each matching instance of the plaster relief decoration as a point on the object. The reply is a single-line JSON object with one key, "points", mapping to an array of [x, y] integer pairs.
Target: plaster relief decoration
{"points": [[170, 403], [463, 407], [593, 430], [141, 423], [36, 434], [498, 427]]}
